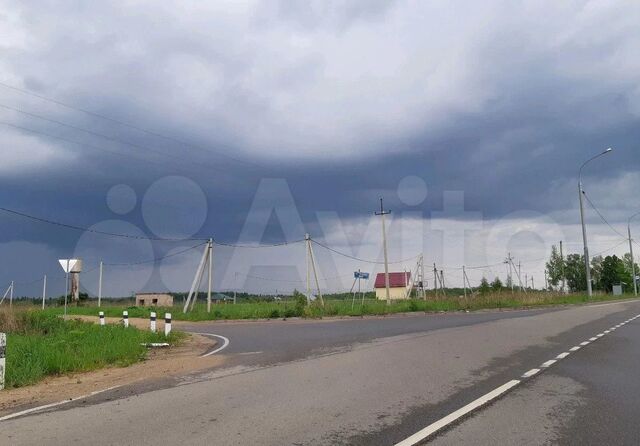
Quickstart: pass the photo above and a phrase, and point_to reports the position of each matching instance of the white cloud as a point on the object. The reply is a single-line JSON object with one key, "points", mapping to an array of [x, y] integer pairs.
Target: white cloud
{"points": [[22, 153]]}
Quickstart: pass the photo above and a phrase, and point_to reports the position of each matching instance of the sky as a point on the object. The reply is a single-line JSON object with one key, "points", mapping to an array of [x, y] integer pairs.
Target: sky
{"points": [[254, 123]]}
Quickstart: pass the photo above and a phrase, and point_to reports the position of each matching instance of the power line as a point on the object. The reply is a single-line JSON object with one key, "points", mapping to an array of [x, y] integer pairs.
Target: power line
{"points": [[157, 259], [359, 259], [273, 245], [101, 135], [602, 216], [94, 231], [122, 123], [81, 144]]}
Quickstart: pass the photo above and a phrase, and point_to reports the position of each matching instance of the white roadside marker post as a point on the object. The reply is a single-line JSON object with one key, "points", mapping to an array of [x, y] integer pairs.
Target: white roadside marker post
{"points": [[152, 321], [125, 318], [167, 324], [101, 316], [3, 348]]}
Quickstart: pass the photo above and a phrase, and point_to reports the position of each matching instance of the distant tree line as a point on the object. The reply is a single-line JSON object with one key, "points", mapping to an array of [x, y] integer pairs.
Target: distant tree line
{"points": [[605, 271]]}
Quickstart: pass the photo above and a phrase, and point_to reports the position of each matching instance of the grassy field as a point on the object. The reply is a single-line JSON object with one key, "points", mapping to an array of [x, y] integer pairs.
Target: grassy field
{"points": [[290, 308], [40, 344]]}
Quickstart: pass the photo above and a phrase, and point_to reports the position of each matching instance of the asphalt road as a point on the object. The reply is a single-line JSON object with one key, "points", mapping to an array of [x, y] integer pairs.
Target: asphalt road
{"points": [[379, 381]]}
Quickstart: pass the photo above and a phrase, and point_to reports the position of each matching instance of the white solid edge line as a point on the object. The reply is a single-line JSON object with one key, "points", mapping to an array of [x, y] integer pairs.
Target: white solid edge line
{"points": [[575, 349], [530, 373], [225, 344], [59, 403], [548, 363], [434, 427], [563, 355]]}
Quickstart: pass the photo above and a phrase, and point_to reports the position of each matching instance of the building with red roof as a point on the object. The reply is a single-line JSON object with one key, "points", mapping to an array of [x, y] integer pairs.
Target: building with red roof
{"points": [[399, 285]]}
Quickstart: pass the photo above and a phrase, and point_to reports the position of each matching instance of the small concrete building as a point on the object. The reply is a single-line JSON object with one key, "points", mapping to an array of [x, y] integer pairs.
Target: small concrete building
{"points": [[399, 285], [154, 300]]}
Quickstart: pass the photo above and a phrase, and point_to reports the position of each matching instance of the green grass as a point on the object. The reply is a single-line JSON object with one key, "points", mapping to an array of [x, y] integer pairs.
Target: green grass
{"points": [[40, 344], [340, 307]]}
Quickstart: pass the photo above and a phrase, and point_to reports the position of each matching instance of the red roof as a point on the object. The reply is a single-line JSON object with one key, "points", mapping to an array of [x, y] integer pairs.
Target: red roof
{"points": [[396, 280]]}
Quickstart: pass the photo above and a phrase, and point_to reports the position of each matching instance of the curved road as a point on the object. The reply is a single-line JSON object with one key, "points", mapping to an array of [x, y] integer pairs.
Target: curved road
{"points": [[383, 381]]}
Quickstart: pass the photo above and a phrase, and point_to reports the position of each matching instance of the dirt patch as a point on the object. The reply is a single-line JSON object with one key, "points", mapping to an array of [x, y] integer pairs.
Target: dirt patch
{"points": [[160, 363]]}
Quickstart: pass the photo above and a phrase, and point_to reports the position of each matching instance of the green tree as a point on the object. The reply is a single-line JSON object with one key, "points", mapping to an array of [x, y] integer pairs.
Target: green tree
{"points": [[484, 286], [614, 272], [627, 265], [496, 285], [596, 271], [574, 272], [555, 267]]}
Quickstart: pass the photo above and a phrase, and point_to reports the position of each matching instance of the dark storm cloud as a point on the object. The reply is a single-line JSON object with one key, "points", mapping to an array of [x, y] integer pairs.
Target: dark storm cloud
{"points": [[341, 99]]}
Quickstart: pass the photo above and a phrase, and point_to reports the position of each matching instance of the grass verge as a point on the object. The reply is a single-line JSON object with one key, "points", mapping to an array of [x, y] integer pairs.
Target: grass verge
{"points": [[341, 307], [40, 344]]}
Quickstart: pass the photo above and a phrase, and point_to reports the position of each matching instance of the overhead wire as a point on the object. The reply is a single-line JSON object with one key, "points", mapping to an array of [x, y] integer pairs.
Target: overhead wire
{"points": [[94, 231], [602, 216], [123, 123], [376, 262], [200, 165]]}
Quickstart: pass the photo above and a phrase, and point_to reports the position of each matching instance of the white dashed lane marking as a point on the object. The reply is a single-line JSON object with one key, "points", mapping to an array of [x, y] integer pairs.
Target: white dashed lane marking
{"points": [[530, 373], [476, 404]]}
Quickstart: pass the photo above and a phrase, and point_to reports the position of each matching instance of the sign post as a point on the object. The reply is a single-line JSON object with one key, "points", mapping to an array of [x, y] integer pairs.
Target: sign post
{"points": [[67, 266], [358, 275]]}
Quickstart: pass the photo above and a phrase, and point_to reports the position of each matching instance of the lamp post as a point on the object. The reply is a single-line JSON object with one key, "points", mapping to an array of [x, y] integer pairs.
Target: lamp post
{"points": [[633, 264], [584, 229]]}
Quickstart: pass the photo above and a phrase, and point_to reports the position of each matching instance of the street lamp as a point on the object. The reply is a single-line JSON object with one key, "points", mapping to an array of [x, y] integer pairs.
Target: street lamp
{"points": [[584, 229], [633, 264]]}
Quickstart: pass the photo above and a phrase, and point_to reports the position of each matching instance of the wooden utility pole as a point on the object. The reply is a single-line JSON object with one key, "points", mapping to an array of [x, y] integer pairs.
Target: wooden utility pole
{"points": [[382, 213]]}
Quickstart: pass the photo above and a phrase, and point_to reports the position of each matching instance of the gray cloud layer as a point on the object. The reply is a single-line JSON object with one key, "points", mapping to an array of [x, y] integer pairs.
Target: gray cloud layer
{"points": [[343, 99]]}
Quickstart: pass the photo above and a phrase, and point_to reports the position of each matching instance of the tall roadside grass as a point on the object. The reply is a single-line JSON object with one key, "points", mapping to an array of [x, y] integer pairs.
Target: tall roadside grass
{"points": [[40, 344], [347, 307]]}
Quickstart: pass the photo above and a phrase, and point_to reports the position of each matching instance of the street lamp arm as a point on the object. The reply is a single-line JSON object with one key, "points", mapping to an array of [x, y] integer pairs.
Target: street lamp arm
{"points": [[588, 161]]}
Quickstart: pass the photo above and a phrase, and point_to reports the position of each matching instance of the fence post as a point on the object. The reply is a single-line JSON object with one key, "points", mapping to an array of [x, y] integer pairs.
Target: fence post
{"points": [[167, 324], [152, 321], [101, 315], [3, 349], [125, 318]]}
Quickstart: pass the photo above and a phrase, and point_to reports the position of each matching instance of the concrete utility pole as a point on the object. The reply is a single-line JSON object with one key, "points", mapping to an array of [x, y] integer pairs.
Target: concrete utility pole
{"points": [[210, 284], [509, 278], [308, 254], [633, 263], [464, 283], [519, 276], [587, 267], [235, 286], [11, 295], [382, 213], [435, 279], [564, 281], [44, 290], [315, 271]]}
